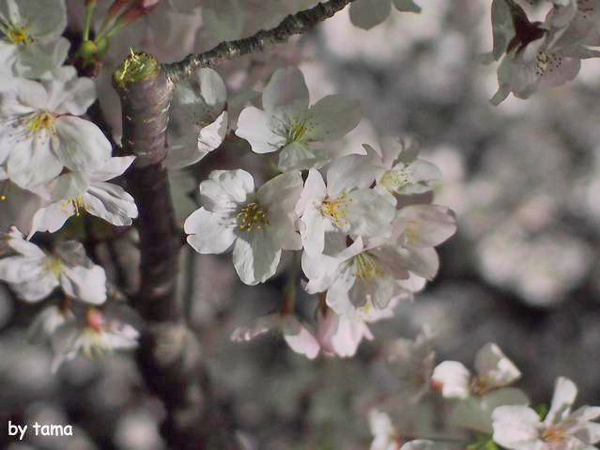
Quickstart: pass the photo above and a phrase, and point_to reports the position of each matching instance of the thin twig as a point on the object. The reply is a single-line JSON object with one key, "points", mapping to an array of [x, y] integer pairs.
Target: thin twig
{"points": [[298, 23]]}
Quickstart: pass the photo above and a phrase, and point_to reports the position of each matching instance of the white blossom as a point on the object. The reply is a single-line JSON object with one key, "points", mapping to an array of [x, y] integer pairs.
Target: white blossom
{"points": [[258, 224], [400, 171], [30, 43], [537, 56], [76, 192], [96, 335], [521, 428], [494, 370], [33, 274], [288, 124], [17, 206], [345, 205], [40, 133]]}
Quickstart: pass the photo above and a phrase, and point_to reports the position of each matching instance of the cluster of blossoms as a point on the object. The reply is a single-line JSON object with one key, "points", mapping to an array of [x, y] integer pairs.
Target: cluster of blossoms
{"points": [[55, 163], [363, 222], [498, 415], [537, 55]]}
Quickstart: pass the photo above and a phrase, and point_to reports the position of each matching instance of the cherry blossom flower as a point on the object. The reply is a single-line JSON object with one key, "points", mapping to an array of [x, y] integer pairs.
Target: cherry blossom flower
{"points": [[31, 44], [345, 205], [381, 269], [494, 370], [288, 124], [298, 337], [96, 335], [88, 192], [537, 56], [401, 172], [520, 427], [258, 224], [40, 133], [33, 274], [199, 119]]}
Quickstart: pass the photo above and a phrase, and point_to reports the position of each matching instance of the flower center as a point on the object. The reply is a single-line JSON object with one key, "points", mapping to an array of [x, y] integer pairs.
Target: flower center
{"points": [[397, 178], [479, 385], [554, 435], [4, 190], [335, 209], [41, 121], [53, 266], [297, 131], [366, 268], [252, 216], [19, 36], [74, 205]]}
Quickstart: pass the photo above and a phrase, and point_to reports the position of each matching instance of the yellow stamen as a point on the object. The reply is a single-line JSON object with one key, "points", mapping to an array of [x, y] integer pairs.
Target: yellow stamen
{"points": [[366, 268], [252, 216], [41, 121], [336, 209], [297, 131], [554, 435], [19, 36], [77, 204], [397, 178], [53, 266]]}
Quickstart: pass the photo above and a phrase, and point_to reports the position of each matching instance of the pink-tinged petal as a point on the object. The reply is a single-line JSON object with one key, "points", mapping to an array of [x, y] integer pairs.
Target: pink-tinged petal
{"points": [[516, 427], [303, 343]]}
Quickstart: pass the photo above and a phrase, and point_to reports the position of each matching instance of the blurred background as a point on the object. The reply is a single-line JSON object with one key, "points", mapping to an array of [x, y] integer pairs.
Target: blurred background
{"points": [[523, 270]]}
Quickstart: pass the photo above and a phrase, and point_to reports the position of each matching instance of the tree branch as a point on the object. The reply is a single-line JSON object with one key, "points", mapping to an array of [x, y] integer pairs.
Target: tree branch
{"points": [[169, 355], [293, 24]]}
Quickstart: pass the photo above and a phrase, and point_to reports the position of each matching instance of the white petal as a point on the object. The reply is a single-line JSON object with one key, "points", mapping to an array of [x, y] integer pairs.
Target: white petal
{"points": [[303, 343], [207, 233], [516, 427], [254, 125], [453, 378], [212, 87], [255, 257], [85, 284], [112, 168], [366, 14], [497, 370], [332, 117], [83, 147], [564, 396], [111, 203], [352, 171], [226, 188], [286, 87], [32, 162]]}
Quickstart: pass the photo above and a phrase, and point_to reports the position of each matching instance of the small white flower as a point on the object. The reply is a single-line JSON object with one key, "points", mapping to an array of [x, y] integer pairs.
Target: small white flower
{"points": [[296, 335], [401, 172], [88, 192], [494, 370], [379, 270], [287, 123], [259, 225], [48, 321], [520, 427], [31, 44], [33, 274], [40, 132], [199, 119], [344, 206], [97, 335], [537, 56]]}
